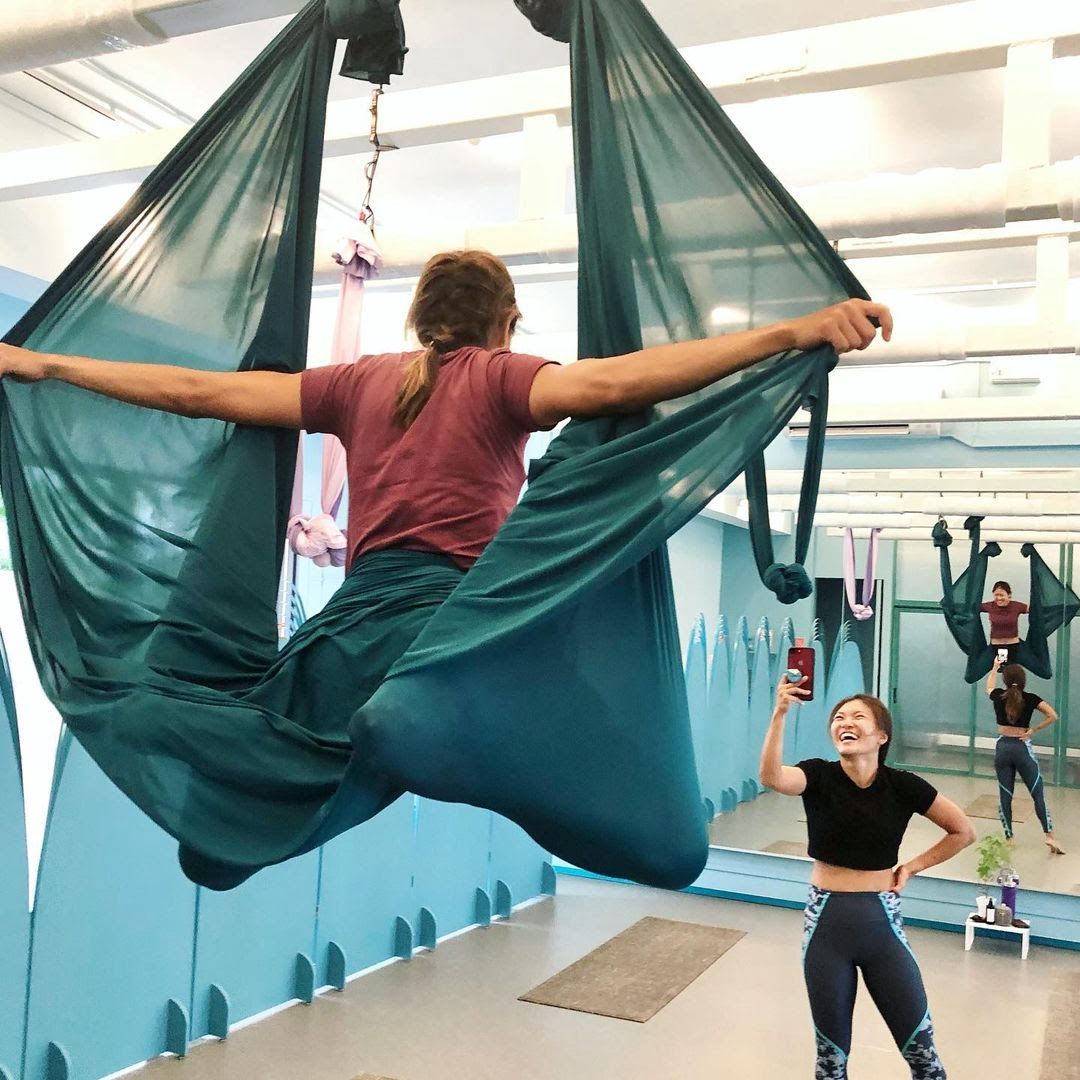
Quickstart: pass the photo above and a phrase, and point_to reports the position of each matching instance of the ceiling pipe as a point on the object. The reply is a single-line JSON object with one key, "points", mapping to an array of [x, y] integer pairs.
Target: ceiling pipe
{"points": [[958, 506], [925, 522], [925, 481], [35, 34], [1001, 536], [932, 201]]}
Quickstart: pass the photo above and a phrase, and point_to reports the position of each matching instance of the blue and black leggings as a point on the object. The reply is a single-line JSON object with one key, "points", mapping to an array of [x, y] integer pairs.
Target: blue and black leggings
{"points": [[1012, 756], [849, 932]]}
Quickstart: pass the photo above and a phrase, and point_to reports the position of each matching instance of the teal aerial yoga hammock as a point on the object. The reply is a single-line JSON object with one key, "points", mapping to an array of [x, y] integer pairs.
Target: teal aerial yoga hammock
{"points": [[546, 683], [1052, 605]]}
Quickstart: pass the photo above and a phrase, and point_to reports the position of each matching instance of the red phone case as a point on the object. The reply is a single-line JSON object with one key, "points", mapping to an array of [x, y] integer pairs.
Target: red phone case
{"points": [[801, 659]]}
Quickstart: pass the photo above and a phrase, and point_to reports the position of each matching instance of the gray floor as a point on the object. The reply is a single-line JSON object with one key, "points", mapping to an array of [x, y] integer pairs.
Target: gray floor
{"points": [[771, 817], [454, 1015]]}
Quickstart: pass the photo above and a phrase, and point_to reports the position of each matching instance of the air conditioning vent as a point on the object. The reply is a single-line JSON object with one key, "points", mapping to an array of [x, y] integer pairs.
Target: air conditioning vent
{"points": [[797, 429]]}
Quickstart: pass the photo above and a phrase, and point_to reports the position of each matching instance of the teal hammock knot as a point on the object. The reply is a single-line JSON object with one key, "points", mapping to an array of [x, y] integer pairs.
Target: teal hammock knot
{"points": [[550, 17], [376, 38], [941, 535], [788, 583], [1027, 550], [991, 550]]}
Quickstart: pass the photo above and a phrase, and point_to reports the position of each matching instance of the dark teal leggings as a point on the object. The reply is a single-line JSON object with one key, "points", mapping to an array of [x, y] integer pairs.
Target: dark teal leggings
{"points": [[849, 932], [1012, 756]]}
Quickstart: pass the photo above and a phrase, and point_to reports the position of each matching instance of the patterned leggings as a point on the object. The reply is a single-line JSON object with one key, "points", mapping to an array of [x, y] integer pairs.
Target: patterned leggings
{"points": [[1012, 756], [845, 933]]}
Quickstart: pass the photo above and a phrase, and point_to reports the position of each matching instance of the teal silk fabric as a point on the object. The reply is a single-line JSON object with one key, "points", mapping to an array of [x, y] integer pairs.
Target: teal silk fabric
{"points": [[545, 684]]}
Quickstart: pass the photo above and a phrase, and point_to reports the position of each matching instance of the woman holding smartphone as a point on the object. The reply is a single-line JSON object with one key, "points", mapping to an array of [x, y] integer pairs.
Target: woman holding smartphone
{"points": [[1014, 708], [857, 810]]}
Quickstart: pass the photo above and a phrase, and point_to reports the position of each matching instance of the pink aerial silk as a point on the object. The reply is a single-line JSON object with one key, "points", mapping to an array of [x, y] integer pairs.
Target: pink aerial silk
{"points": [[319, 538], [861, 611]]}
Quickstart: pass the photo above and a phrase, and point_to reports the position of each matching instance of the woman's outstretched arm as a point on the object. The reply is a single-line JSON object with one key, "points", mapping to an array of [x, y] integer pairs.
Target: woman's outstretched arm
{"points": [[262, 398], [636, 380]]}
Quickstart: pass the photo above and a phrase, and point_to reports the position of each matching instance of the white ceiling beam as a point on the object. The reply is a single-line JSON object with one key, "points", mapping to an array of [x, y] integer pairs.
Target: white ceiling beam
{"points": [[988, 503], [921, 481], [1029, 105], [1052, 280], [997, 410], [971, 36], [1002, 536], [1034, 483], [871, 520], [957, 37], [543, 169]]}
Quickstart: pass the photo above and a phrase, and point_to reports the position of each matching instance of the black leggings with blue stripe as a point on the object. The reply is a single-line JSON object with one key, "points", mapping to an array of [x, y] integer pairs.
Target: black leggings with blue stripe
{"points": [[849, 932], [1012, 756]]}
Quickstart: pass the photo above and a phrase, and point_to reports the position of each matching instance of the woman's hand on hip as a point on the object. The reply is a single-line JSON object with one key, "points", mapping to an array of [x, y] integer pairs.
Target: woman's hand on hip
{"points": [[901, 876]]}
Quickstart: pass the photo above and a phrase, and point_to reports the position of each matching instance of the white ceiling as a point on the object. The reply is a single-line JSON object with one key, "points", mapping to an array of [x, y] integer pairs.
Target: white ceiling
{"points": [[940, 121]]}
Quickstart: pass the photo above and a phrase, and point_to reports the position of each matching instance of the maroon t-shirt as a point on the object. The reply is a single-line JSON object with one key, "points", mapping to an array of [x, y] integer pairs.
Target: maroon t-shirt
{"points": [[447, 482], [1005, 621]]}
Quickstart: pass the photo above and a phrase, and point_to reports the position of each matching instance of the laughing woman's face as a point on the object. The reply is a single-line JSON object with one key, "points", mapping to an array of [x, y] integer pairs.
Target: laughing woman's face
{"points": [[854, 730]]}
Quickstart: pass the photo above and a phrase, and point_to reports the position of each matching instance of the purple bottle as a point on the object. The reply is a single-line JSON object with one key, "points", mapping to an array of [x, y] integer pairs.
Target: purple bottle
{"points": [[1008, 895]]}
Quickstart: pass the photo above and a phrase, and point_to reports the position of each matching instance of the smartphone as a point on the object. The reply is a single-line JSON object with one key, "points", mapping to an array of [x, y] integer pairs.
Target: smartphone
{"points": [[800, 658], [1003, 655]]}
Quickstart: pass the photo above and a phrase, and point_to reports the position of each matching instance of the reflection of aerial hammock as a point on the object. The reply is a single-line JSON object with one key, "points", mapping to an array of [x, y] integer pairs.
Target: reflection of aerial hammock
{"points": [[1051, 605], [549, 686], [861, 609], [319, 537]]}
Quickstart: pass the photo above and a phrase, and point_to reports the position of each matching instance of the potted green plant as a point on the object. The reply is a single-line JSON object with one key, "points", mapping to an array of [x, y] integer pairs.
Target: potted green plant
{"points": [[993, 867]]}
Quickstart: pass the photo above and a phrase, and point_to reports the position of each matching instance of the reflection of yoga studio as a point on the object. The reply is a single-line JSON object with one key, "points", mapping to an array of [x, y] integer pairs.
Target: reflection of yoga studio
{"points": [[539, 540]]}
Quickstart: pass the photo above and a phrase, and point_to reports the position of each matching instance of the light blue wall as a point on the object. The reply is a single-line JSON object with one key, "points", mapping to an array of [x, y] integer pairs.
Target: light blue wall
{"points": [[741, 591], [129, 959], [17, 292], [696, 556], [11, 310]]}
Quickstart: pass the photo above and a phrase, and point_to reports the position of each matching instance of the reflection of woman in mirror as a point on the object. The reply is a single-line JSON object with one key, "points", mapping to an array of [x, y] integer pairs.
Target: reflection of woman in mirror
{"points": [[1004, 613], [1015, 707], [857, 810]]}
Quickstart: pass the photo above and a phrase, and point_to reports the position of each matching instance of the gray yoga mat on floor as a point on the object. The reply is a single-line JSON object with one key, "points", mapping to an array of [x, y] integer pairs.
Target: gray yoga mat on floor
{"points": [[986, 806], [1061, 1044], [635, 974], [787, 847]]}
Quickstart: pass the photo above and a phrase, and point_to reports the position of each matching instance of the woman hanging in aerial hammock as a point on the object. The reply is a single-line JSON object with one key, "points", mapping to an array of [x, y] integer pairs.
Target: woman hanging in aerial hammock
{"points": [[434, 441], [1004, 613], [1015, 708], [1052, 605]]}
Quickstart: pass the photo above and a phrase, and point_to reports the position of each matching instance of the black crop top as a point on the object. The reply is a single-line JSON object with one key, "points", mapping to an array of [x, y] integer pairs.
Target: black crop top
{"points": [[860, 828], [1027, 710]]}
